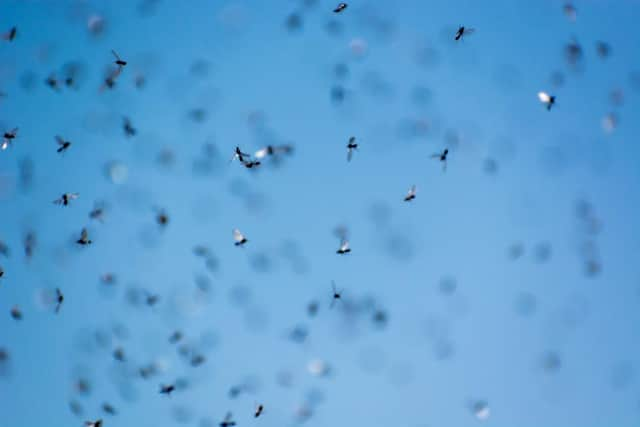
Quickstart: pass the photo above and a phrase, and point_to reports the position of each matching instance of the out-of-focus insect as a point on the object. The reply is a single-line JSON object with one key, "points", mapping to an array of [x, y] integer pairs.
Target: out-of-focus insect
{"points": [[197, 360], [110, 79], [96, 423], [8, 137], [239, 237], [59, 300], [118, 354], [340, 7], [442, 158], [547, 99], [570, 11], [16, 313], [228, 421], [411, 194], [128, 128], [29, 244], [66, 198], [249, 164], [344, 247], [97, 212], [109, 409], [336, 295], [1, 271], [108, 279], [312, 308], [258, 411], [351, 147], [609, 122], [4, 249], [162, 218], [10, 35], [167, 389], [62, 144], [52, 82], [603, 49], [119, 62], [84, 238], [238, 154], [175, 337], [151, 299], [463, 31], [481, 410], [273, 150]]}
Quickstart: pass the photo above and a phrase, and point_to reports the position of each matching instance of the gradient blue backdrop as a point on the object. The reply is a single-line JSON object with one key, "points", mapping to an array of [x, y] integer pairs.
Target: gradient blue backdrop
{"points": [[438, 352]]}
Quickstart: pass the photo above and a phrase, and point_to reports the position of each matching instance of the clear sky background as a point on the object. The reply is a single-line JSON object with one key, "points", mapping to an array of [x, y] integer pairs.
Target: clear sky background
{"points": [[538, 339]]}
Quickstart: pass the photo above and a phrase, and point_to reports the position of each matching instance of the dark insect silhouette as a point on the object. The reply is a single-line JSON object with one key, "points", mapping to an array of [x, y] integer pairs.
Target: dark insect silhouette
{"points": [[340, 7], [8, 137], [59, 300], [119, 62], [547, 99], [128, 128], [411, 194], [351, 147], [10, 35], [238, 154], [442, 157], [344, 247], [96, 423], [162, 218], [109, 409], [167, 389], [52, 82], [97, 212], [336, 295], [239, 237], [84, 238], [62, 144], [1, 271], [462, 31], [175, 337], [16, 313], [66, 198], [228, 421], [258, 411], [249, 164]]}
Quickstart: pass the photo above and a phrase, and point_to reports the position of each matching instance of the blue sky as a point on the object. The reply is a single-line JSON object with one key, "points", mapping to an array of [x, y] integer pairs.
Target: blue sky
{"points": [[412, 92]]}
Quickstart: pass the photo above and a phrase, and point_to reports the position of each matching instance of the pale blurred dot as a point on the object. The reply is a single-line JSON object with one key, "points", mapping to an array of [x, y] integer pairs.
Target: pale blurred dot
{"points": [[358, 47], [481, 410], [318, 368], [609, 122], [117, 172]]}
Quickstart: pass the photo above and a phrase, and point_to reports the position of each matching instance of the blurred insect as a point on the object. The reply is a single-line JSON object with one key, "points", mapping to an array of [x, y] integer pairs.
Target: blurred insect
{"points": [[249, 164], [197, 360], [336, 296], [228, 421], [62, 144], [52, 82], [139, 81], [4, 249], [442, 157], [570, 11], [71, 71], [162, 218], [59, 300], [76, 407], [340, 7], [1, 271], [238, 154], [16, 313], [118, 354], [128, 128], [66, 198], [110, 78], [351, 147], [84, 238], [271, 150], [239, 237], [312, 308], [108, 279], [97, 212], [8, 137], [96, 423], [344, 247], [547, 99], [109, 409], [411, 194], [119, 62], [175, 337], [603, 49], [573, 52], [258, 411], [10, 35], [151, 299], [609, 122], [167, 389], [29, 244], [481, 410], [462, 31]]}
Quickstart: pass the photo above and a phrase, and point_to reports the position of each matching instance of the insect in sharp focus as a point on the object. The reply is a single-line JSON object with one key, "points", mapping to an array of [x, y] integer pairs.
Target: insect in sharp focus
{"points": [[8, 138], [411, 194], [66, 198], [547, 99], [167, 389], [128, 128], [10, 35], [119, 62], [462, 31], [84, 238], [239, 237], [351, 147], [340, 7], [62, 144], [258, 411], [59, 300], [335, 294], [96, 423], [238, 154], [442, 157], [228, 421]]}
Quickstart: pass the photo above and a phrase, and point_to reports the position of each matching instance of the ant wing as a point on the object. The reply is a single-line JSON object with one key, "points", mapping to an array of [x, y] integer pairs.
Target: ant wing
{"points": [[84, 234], [237, 235], [116, 55], [260, 154], [73, 195], [544, 97], [435, 156], [349, 155], [333, 286], [57, 201], [344, 245], [59, 140], [469, 30], [444, 166]]}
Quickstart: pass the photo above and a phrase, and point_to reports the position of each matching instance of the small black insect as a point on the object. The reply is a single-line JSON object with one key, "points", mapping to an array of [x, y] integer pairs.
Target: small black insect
{"points": [[167, 389], [10, 35], [228, 421], [442, 157], [84, 238], [337, 295], [62, 144], [128, 128], [351, 147], [462, 30], [59, 300], [258, 411], [340, 7], [119, 62]]}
